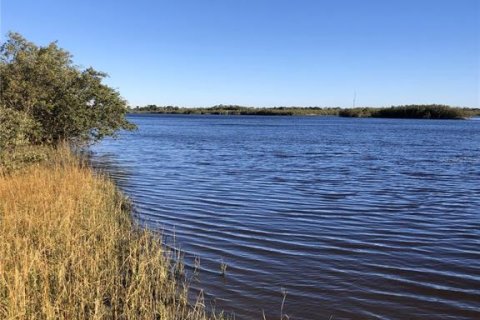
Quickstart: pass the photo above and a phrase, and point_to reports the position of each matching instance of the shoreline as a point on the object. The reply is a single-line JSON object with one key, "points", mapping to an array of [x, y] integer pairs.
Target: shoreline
{"points": [[71, 249], [295, 115], [440, 112]]}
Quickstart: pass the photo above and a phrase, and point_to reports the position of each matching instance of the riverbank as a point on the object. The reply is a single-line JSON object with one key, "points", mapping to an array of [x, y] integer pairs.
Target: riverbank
{"points": [[407, 112], [71, 250], [240, 110]]}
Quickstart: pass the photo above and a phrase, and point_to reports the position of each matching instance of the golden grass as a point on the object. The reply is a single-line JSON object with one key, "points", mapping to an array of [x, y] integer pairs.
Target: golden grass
{"points": [[69, 250]]}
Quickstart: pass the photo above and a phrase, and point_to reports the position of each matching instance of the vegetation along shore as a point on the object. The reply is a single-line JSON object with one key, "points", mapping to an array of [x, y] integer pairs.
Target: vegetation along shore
{"points": [[69, 247], [432, 111]]}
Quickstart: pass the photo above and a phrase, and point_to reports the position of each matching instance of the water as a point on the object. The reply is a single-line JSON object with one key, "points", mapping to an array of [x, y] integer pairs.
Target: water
{"points": [[352, 218]]}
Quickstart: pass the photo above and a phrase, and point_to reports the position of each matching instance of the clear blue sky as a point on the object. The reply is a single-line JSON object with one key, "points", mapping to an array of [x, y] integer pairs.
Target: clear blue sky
{"points": [[267, 52]]}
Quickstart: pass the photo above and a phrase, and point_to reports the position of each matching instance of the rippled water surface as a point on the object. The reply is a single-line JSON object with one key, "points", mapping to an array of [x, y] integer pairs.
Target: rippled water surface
{"points": [[353, 218]]}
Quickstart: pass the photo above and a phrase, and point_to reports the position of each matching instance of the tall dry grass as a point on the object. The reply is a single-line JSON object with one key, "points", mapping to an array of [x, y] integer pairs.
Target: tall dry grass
{"points": [[69, 250]]}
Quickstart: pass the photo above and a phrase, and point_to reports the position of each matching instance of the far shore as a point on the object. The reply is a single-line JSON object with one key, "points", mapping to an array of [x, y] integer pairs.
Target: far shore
{"points": [[401, 112]]}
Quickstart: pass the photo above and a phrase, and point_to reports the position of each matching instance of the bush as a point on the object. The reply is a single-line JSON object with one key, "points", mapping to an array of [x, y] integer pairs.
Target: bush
{"points": [[17, 129], [65, 103]]}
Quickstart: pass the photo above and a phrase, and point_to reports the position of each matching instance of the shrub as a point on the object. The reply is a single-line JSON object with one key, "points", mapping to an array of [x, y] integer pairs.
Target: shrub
{"points": [[65, 102], [17, 129]]}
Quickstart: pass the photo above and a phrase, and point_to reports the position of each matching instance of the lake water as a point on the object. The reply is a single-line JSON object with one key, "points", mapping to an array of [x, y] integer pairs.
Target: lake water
{"points": [[352, 218]]}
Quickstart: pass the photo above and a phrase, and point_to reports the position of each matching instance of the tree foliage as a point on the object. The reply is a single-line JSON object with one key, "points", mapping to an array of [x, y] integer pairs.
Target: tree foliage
{"points": [[16, 127], [59, 100]]}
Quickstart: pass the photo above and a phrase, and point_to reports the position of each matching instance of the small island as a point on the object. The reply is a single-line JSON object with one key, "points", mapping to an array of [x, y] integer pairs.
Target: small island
{"points": [[431, 111]]}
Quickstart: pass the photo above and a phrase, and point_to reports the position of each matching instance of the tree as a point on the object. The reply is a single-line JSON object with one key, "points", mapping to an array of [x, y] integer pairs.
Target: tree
{"points": [[62, 101]]}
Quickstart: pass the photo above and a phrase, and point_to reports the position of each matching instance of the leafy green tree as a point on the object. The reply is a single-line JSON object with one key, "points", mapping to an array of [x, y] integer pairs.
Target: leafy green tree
{"points": [[62, 101]]}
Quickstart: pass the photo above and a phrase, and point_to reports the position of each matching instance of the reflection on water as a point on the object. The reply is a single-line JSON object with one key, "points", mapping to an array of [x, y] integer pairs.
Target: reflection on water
{"points": [[354, 218]]}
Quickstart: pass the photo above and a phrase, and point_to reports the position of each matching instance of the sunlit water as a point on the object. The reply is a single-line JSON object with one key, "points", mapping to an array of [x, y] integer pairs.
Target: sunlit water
{"points": [[352, 218]]}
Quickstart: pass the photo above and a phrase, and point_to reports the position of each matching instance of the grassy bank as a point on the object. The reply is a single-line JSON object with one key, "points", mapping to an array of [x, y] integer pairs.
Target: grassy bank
{"points": [[70, 250]]}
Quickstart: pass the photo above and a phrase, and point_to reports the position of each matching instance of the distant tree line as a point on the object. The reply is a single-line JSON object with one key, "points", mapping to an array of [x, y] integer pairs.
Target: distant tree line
{"points": [[239, 110], [409, 111]]}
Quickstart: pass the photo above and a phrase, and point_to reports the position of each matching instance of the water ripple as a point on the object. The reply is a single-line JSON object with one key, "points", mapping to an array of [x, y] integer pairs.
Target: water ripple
{"points": [[356, 219]]}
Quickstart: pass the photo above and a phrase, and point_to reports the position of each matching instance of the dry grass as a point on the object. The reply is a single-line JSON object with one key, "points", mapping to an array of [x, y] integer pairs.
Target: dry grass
{"points": [[69, 250]]}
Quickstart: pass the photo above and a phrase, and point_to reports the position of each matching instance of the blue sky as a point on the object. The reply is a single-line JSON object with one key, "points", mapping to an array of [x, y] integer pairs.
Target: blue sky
{"points": [[267, 52]]}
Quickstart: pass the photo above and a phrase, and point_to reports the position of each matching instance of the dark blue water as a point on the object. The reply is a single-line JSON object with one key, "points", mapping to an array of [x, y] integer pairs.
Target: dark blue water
{"points": [[352, 218]]}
